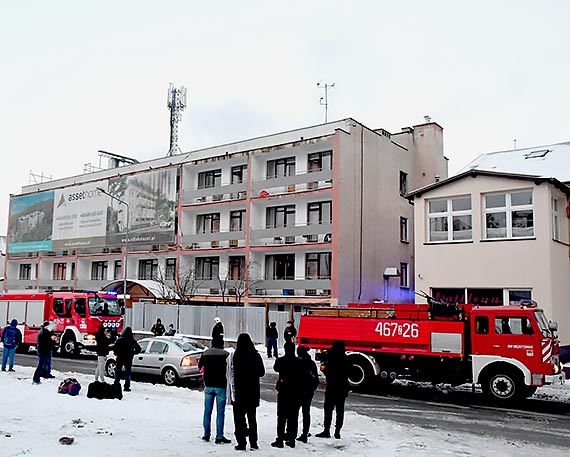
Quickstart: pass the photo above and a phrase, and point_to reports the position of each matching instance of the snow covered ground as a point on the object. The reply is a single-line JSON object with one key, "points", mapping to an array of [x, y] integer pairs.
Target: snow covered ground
{"points": [[156, 420]]}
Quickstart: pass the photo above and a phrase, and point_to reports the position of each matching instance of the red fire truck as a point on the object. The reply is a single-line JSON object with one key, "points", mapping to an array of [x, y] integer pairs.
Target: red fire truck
{"points": [[77, 316], [508, 350]]}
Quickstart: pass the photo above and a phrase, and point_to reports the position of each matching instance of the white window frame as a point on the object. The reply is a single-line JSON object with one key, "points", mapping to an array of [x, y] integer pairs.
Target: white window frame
{"points": [[404, 230], [555, 205], [449, 213], [508, 209], [404, 275]]}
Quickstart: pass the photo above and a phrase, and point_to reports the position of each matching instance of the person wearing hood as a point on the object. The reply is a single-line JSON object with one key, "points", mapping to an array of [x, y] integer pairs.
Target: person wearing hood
{"points": [[11, 338], [158, 328], [125, 349], [45, 345], [335, 368], [246, 369], [103, 340]]}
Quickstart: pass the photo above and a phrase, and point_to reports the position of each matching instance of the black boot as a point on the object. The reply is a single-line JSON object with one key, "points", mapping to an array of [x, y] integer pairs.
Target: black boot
{"points": [[277, 443], [302, 438], [324, 434], [337, 434]]}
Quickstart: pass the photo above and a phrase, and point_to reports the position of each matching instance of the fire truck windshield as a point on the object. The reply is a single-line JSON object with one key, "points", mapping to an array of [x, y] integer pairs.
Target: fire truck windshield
{"points": [[104, 307], [543, 324]]}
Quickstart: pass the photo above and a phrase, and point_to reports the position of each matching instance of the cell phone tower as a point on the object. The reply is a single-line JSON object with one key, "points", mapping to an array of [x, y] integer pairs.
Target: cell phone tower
{"points": [[176, 104]]}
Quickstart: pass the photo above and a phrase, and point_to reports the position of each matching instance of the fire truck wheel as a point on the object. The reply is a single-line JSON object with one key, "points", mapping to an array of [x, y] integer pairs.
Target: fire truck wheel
{"points": [[170, 376], [68, 346], [360, 372], [110, 368], [503, 384], [23, 349]]}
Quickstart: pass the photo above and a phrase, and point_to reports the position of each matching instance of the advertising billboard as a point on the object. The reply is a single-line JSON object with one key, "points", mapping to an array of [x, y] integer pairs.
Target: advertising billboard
{"points": [[86, 216]]}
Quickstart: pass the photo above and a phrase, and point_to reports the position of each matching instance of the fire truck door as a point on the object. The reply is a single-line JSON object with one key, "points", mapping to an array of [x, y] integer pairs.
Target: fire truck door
{"points": [[514, 338]]}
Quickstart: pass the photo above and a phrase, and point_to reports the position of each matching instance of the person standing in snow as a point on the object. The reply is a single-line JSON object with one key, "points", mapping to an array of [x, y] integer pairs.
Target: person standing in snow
{"points": [[272, 334], [310, 382], [218, 329], [103, 341], [125, 349], [171, 331], [335, 368], [158, 328], [290, 332], [11, 338], [246, 369], [45, 345], [214, 363]]}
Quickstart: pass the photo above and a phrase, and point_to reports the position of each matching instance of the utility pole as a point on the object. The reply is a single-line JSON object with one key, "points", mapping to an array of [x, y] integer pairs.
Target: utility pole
{"points": [[324, 101], [176, 103]]}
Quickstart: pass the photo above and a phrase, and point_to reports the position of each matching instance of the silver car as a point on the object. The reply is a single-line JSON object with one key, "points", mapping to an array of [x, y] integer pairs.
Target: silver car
{"points": [[171, 357]]}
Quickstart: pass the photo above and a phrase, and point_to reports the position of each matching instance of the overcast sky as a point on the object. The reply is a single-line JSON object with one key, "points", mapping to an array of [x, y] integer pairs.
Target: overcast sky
{"points": [[82, 76]]}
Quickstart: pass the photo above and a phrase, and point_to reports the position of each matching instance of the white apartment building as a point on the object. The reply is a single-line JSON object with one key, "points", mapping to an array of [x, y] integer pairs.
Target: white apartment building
{"points": [[493, 238], [311, 216]]}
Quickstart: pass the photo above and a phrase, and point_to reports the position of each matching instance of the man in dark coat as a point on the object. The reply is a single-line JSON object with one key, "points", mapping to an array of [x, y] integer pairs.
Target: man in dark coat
{"points": [[308, 387], [218, 329], [272, 334], [247, 368], [290, 332], [45, 345], [214, 363], [290, 369], [103, 341], [125, 349], [11, 338], [158, 328], [335, 369]]}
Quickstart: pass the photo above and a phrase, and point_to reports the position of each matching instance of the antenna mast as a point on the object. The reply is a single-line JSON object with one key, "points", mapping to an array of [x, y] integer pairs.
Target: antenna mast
{"points": [[324, 101], [176, 103]]}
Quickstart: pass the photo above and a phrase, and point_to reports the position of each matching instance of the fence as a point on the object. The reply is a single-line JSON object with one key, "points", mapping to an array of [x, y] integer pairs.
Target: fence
{"points": [[198, 320]]}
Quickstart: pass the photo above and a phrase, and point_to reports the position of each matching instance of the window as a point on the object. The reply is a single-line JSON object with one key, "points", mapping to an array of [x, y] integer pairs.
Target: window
{"points": [[280, 216], [170, 270], [404, 230], [280, 266], [404, 279], [482, 325], [516, 296], [237, 219], [207, 267], [98, 271], [143, 345], [208, 223], [59, 270], [117, 269], [281, 167], [236, 267], [80, 307], [25, 272], [449, 219], [148, 268], [238, 174], [509, 215], [319, 161], [211, 178], [158, 347], [537, 154], [403, 183], [319, 213], [58, 307], [555, 220], [318, 265], [513, 326]]}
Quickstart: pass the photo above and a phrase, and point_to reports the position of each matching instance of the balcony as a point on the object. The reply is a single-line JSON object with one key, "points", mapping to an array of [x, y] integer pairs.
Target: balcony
{"points": [[302, 233], [210, 237], [214, 194], [294, 183]]}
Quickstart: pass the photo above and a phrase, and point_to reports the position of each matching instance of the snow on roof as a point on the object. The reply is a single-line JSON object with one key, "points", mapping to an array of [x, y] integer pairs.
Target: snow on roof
{"points": [[550, 161]]}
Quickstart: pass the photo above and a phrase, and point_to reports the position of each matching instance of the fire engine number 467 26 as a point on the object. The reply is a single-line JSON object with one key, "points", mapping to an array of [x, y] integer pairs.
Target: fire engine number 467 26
{"points": [[405, 330]]}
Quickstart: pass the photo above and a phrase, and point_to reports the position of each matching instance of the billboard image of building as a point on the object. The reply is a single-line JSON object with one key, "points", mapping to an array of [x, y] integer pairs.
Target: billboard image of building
{"points": [[30, 226]]}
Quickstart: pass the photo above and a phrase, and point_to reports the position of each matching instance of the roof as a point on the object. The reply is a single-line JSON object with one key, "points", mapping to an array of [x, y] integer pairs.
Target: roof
{"points": [[475, 172], [551, 160], [156, 288]]}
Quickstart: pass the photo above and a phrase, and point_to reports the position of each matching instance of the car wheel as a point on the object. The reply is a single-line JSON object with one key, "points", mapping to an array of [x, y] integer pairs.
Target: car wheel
{"points": [[170, 376], [110, 368]]}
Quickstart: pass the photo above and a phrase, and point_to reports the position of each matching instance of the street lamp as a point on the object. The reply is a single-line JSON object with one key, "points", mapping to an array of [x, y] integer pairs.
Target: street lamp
{"points": [[126, 241]]}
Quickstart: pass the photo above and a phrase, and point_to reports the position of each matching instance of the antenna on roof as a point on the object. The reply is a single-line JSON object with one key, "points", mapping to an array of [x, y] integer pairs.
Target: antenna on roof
{"points": [[176, 103], [324, 101]]}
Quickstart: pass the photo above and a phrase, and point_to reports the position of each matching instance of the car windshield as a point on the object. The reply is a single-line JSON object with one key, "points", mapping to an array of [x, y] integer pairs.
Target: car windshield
{"points": [[188, 345], [104, 306], [543, 324]]}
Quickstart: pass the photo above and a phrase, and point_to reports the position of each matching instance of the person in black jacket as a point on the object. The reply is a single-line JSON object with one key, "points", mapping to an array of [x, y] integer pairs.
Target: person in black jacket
{"points": [[335, 369], [218, 329], [290, 369], [158, 328], [214, 364], [125, 349], [308, 387], [247, 368], [272, 334], [44, 347], [290, 332], [103, 341]]}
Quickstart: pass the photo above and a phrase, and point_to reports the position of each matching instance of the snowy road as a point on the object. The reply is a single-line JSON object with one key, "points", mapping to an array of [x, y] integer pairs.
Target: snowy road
{"points": [[541, 421]]}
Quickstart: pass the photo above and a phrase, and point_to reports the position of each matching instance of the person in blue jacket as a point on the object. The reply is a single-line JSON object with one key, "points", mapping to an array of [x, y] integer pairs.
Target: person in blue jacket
{"points": [[11, 338]]}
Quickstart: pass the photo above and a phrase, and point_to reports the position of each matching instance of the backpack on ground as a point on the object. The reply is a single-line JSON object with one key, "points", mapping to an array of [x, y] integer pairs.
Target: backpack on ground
{"points": [[69, 386], [102, 390]]}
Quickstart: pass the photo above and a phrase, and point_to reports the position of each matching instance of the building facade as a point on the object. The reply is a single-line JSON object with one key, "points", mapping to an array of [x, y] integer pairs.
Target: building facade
{"points": [[492, 238], [311, 216]]}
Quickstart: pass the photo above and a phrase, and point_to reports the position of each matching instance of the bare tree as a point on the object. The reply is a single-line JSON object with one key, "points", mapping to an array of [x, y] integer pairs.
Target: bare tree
{"points": [[185, 287], [235, 285]]}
